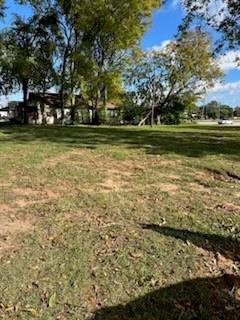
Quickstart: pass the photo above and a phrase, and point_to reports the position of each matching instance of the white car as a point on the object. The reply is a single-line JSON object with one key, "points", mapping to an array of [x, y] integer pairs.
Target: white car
{"points": [[222, 121]]}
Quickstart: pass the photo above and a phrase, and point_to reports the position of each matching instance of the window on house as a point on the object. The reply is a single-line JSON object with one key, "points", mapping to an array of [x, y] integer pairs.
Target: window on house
{"points": [[113, 113]]}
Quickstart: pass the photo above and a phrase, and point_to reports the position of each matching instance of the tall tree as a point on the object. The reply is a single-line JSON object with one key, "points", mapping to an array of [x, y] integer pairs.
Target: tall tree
{"points": [[2, 7], [64, 39], [110, 29], [222, 15], [183, 69], [92, 40], [23, 44], [211, 110]]}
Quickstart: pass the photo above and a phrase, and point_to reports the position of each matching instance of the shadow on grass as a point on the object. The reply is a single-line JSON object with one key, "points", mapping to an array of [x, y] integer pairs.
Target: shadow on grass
{"points": [[227, 246], [200, 298], [197, 299], [195, 141]]}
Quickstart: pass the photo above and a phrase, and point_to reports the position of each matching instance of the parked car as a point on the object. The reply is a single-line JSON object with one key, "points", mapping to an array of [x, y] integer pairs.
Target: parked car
{"points": [[222, 121]]}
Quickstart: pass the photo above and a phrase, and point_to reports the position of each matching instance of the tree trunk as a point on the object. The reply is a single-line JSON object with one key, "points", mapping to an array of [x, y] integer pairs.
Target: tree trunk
{"points": [[25, 96], [62, 102], [144, 119], [95, 119], [158, 119], [42, 107], [72, 110], [152, 116]]}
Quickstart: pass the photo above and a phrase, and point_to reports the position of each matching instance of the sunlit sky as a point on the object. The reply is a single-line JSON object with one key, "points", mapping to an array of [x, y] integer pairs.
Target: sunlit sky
{"points": [[164, 26]]}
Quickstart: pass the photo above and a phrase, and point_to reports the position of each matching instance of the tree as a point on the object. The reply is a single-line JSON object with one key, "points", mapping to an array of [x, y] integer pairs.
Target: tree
{"points": [[212, 110], [237, 112], [222, 15], [226, 112], [183, 69], [92, 40], [131, 110], [2, 7], [110, 29], [25, 56]]}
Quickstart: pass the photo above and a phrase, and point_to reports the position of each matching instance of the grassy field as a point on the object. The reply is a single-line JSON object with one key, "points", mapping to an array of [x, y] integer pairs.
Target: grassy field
{"points": [[119, 223]]}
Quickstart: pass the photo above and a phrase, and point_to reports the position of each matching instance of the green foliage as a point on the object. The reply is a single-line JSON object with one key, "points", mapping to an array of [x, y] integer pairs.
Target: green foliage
{"points": [[237, 112], [92, 40], [226, 112], [27, 52], [221, 15], [214, 110], [132, 111], [173, 112], [184, 68], [110, 29]]}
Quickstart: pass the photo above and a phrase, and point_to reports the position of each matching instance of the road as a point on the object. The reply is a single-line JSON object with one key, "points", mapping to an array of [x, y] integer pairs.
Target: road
{"points": [[212, 123]]}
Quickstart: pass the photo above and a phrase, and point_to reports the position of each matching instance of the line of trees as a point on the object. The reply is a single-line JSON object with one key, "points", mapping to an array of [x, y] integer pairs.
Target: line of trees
{"points": [[92, 48], [77, 46], [215, 110], [169, 80]]}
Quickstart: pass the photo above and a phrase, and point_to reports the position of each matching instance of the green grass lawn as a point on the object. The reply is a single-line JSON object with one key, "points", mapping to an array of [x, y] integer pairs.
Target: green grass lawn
{"points": [[119, 223]]}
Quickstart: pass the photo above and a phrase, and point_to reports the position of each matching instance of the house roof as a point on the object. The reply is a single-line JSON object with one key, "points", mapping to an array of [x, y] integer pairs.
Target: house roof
{"points": [[4, 109], [53, 100]]}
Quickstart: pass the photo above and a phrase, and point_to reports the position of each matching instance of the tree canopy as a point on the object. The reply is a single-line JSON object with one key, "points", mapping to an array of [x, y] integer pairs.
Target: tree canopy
{"points": [[222, 15], [91, 40], [174, 73]]}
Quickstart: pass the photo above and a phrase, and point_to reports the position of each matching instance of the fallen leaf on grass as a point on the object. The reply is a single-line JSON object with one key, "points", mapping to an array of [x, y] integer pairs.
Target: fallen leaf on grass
{"points": [[136, 254], [30, 310], [52, 300]]}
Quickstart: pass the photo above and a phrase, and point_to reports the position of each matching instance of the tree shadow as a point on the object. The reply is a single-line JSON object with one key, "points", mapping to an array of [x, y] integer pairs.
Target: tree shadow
{"points": [[226, 246], [200, 298], [204, 299], [188, 141]]}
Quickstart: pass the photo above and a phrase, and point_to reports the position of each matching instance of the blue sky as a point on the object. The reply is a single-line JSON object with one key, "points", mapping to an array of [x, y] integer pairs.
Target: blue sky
{"points": [[164, 26]]}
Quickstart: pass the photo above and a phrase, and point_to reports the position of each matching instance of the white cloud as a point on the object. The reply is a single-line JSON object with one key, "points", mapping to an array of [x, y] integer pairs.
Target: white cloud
{"points": [[215, 10], [176, 3], [228, 61], [229, 87], [162, 46]]}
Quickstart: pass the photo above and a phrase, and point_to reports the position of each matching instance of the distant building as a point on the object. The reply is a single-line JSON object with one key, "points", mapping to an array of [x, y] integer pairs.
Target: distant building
{"points": [[45, 109], [4, 113]]}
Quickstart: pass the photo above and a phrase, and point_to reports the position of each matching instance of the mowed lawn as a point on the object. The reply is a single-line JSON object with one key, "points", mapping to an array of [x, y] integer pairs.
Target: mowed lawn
{"points": [[119, 223]]}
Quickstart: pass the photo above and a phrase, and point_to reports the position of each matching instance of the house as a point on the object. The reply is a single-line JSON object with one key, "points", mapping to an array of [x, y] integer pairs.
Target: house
{"points": [[45, 109], [4, 113]]}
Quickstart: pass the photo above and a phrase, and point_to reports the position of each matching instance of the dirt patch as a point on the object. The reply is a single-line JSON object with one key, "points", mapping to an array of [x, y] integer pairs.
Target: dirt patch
{"points": [[173, 177], [5, 208], [199, 188], [25, 192], [159, 160], [38, 197], [124, 167], [51, 194], [61, 157], [10, 228], [113, 184], [168, 187], [13, 226], [229, 207], [21, 203], [4, 185], [204, 175]]}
